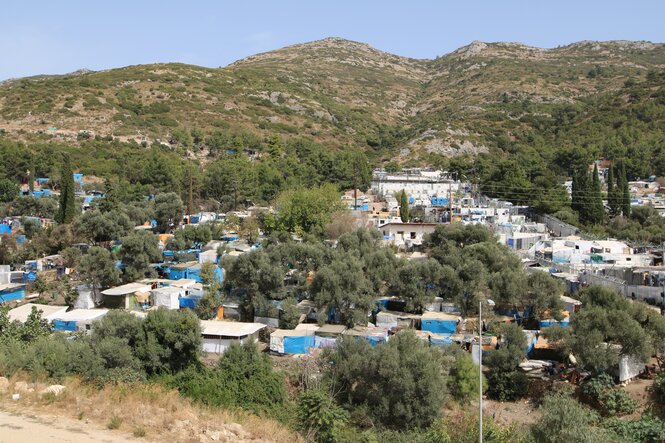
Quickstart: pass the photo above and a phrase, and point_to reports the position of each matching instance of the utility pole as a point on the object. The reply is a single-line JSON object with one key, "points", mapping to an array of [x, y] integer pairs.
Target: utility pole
{"points": [[480, 370], [450, 202]]}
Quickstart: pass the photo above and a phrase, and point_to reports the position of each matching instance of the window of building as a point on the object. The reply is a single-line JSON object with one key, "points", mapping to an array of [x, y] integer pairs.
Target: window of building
{"points": [[413, 235]]}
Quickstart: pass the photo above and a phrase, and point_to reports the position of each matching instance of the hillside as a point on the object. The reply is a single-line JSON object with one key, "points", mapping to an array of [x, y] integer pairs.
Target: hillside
{"points": [[337, 92]]}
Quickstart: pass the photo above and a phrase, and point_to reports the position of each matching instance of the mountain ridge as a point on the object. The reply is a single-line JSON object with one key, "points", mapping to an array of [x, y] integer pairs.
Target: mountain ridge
{"points": [[338, 92]]}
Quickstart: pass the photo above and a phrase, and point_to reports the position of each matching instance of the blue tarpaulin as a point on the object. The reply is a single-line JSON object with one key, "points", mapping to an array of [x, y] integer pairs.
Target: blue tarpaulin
{"points": [[189, 302], [551, 322], [440, 339], [5, 229], [61, 325], [439, 201], [12, 294], [298, 345], [439, 326]]}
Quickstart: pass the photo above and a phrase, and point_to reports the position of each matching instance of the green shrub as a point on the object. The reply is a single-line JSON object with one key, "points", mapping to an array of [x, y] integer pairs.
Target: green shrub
{"points": [[646, 429], [244, 378], [658, 387], [319, 417], [601, 393], [507, 385]]}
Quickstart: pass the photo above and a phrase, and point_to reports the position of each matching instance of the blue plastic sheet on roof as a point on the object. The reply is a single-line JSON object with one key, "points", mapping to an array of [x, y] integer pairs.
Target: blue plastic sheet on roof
{"points": [[552, 322], [412, 200], [441, 339], [298, 345], [5, 229], [20, 239]]}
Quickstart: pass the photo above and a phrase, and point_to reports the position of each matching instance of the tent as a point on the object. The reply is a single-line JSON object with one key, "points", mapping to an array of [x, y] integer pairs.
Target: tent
{"points": [[374, 335], [439, 322], [11, 292], [77, 320], [219, 335], [167, 297], [286, 341]]}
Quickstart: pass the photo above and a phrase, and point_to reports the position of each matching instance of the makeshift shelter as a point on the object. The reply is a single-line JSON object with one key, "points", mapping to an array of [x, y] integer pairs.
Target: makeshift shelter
{"points": [[124, 297], [565, 321], [167, 297], [572, 306], [88, 297], [439, 322], [22, 312], [628, 368], [77, 320], [11, 292], [209, 256], [219, 335], [326, 336], [397, 320], [192, 270], [374, 336], [291, 341]]}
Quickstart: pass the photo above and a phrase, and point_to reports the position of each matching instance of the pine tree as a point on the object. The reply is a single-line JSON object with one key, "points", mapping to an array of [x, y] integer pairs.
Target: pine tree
{"points": [[596, 209], [404, 206], [67, 210], [581, 189], [612, 189], [624, 192]]}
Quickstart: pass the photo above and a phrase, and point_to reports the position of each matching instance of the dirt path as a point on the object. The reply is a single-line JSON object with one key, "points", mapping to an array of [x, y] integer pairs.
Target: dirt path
{"points": [[28, 429]]}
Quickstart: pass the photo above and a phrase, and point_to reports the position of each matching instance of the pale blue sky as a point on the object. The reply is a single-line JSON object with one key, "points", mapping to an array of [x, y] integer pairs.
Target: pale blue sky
{"points": [[54, 37]]}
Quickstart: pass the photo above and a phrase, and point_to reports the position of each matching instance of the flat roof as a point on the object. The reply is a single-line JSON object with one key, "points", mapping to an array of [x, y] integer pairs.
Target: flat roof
{"points": [[331, 329], [398, 314], [183, 282], [429, 315], [567, 299], [22, 312], [129, 288], [80, 315], [229, 328], [185, 265], [292, 332], [307, 327], [168, 289]]}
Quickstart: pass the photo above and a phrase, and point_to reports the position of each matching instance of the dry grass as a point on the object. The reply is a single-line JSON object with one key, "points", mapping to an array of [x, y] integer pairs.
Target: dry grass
{"points": [[150, 411]]}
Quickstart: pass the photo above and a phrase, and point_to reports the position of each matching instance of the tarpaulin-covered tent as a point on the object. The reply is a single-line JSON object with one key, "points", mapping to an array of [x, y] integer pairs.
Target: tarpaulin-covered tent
{"points": [[439, 322], [219, 335], [395, 320], [167, 297], [189, 302], [11, 292], [374, 336], [77, 320], [565, 321], [291, 341], [124, 296]]}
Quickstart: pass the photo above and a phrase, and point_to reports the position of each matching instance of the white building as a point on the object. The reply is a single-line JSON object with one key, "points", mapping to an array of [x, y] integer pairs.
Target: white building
{"points": [[406, 234]]}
